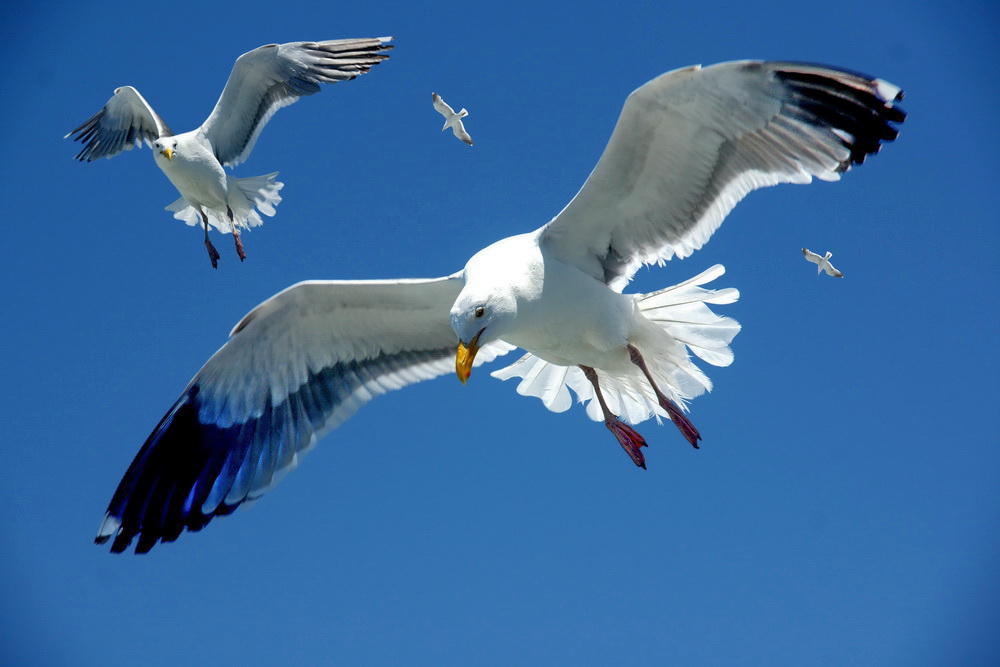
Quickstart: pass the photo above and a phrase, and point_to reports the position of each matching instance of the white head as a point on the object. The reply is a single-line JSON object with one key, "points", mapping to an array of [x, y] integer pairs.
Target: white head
{"points": [[486, 308], [165, 146]]}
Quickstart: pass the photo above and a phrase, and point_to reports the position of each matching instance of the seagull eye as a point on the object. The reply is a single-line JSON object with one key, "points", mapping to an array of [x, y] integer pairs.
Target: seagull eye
{"points": [[480, 312]]}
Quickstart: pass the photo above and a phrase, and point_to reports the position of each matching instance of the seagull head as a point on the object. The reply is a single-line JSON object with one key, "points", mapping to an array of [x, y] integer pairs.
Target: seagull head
{"points": [[478, 319], [486, 308], [468, 346], [165, 147]]}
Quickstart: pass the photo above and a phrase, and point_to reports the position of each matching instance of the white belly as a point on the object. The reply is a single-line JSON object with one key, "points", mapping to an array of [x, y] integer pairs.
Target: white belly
{"points": [[197, 175], [581, 321]]}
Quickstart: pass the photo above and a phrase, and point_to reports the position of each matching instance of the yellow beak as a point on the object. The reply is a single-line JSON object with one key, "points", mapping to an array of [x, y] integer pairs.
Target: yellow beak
{"points": [[168, 152], [465, 357]]}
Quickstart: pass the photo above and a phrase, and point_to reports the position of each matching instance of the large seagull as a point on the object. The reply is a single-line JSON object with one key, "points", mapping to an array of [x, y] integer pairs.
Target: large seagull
{"points": [[262, 81], [687, 147]]}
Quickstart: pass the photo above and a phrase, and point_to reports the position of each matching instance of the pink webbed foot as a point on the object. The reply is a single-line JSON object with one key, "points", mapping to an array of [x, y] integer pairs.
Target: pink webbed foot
{"points": [[239, 246], [684, 424], [629, 439], [213, 254], [236, 235], [681, 421]]}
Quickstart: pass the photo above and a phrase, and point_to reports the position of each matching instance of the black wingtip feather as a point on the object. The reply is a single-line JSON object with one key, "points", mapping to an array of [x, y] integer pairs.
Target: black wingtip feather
{"points": [[165, 488], [180, 459], [847, 101]]}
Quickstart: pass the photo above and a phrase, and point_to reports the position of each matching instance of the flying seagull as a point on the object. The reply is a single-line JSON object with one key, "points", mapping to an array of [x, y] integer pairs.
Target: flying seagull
{"points": [[687, 147], [452, 119], [823, 263], [262, 81]]}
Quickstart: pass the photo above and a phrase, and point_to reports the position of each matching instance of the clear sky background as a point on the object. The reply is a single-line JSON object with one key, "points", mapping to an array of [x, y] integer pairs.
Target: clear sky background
{"points": [[843, 508]]}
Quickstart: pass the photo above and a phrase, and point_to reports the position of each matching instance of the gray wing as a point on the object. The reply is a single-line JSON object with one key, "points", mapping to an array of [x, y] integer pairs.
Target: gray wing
{"points": [[811, 256], [274, 76], [831, 270], [296, 367], [442, 107], [690, 144], [126, 121], [458, 129]]}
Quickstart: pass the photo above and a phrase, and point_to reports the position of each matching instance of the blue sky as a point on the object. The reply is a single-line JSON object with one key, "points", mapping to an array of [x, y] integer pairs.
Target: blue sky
{"points": [[843, 508]]}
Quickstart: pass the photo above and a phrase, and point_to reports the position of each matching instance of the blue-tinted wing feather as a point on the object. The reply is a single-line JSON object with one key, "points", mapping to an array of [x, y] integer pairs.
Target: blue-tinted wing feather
{"points": [[189, 471], [296, 367]]}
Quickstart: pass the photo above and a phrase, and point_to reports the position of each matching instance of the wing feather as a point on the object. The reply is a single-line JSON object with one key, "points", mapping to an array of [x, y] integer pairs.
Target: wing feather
{"points": [[276, 75], [690, 144], [458, 129], [296, 367], [125, 121], [441, 106]]}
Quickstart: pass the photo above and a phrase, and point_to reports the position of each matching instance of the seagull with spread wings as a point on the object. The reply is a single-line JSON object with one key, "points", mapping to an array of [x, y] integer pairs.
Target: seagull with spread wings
{"points": [[687, 147], [822, 263], [452, 118], [262, 81]]}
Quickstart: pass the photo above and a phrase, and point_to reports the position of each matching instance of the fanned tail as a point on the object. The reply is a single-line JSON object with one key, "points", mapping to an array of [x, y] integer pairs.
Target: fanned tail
{"points": [[247, 196], [681, 311], [680, 320]]}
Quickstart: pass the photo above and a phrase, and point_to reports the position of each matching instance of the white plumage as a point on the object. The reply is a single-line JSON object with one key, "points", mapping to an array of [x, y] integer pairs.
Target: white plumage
{"points": [[262, 81], [687, 147], [822, 263], [452, 118]]}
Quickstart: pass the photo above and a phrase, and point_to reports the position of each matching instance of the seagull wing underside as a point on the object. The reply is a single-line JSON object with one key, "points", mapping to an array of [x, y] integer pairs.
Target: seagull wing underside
{"points": [[442, 106], [458, 129], [690, 144], [811, 256], [296, 367], [274, 76], [126, 121]]}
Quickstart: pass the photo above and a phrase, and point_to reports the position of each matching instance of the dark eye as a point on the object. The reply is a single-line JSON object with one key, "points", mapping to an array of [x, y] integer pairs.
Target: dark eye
{"points": [[480, 312]]}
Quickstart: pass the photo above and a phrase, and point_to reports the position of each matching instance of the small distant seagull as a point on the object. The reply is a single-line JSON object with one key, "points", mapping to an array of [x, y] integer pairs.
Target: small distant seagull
{"points": [[823, 263], [452, 119]]}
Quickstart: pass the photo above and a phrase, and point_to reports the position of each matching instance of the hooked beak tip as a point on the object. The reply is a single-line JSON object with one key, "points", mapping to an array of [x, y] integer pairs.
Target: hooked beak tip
{"points": [[464, 357]]}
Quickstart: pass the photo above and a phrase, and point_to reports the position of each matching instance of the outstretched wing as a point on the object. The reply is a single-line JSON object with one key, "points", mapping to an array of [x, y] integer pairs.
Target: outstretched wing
{"points": [[458, 129], [296, 367], [831, 270], [442, 106], [274, 76], [126, 120], [811, 256], [692, 143]]}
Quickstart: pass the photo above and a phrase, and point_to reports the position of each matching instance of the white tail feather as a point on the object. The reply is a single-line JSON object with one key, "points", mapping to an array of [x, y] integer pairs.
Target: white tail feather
{"points": [[246, 197], [682, 320]]}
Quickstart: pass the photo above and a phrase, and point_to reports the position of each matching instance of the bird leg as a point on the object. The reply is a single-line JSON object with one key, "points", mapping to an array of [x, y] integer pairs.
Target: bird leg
{"points": [[680, 421], [236, 235], [628, 437], [213, 254]]}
